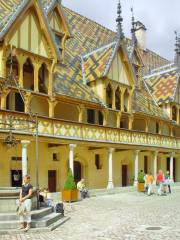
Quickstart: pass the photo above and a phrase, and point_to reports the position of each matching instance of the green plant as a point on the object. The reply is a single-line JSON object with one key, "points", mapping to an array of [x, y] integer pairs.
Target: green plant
{"points": [[141, 177], [69, 183]]}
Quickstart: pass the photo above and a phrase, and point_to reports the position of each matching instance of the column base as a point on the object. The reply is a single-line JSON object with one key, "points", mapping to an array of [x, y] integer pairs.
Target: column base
{"points": [[135, 183], [110, 185]]}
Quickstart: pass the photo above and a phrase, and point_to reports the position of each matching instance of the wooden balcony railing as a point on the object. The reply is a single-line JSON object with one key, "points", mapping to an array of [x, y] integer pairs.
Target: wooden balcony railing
{"points": [[79, 131]]}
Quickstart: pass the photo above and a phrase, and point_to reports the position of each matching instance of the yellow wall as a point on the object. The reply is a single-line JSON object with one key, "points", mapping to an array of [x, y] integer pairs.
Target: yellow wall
{"points": [[94, 178], [66, 112], [118, 71], [55, 22], [39, 105], [29, 36]]}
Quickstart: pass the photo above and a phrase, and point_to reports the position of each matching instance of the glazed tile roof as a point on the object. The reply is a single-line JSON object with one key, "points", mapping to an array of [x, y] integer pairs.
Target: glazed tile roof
{"points": [[65, 86], [144, 103], [88, 39], [96, 63], [163, 85]]}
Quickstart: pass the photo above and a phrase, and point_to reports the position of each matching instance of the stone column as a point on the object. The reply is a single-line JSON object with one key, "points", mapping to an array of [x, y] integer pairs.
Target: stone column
{"points": [[110, 169], [24, 156], [71, 157], [155, 155], [171, 166], [136, 168]]}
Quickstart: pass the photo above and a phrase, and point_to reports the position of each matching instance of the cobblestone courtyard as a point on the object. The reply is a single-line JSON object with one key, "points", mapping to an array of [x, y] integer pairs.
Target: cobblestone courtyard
{"points": [[125, 216]]}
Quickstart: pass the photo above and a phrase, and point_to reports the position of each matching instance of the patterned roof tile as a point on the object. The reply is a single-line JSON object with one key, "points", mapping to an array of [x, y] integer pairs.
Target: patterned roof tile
{"points": [[163, 85]]}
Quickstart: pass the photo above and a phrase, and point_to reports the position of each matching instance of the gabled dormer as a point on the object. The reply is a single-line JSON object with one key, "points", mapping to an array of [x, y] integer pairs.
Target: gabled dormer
{"points": [[59, 26]]}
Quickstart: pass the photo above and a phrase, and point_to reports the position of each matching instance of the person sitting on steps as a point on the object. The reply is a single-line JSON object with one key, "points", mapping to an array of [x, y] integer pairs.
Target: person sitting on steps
{"points": [[82, 188]]}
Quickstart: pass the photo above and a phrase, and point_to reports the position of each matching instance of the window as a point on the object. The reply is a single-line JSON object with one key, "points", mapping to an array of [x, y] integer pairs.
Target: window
{"points": [[98, 162], [90, 116], [100, 118], [55, 157], [58, 39], [157, 127]]}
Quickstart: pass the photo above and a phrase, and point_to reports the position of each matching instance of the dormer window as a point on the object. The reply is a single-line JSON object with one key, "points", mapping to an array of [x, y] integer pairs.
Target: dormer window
{"points": [[59, 39]]}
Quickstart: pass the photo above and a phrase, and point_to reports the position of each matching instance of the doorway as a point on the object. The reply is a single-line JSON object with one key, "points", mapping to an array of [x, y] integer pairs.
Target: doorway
{"points": [[16, 178], [52, 180], [124, 175], [77, 171], [174, 167]]}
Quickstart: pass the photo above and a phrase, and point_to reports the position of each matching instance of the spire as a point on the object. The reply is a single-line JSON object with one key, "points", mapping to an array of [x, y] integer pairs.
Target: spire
{"points": [[177, 51], [119, 21], [133, 30]]}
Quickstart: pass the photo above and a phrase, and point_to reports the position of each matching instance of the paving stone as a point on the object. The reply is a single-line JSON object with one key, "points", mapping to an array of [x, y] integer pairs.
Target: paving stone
{"points": [[123, 216]]}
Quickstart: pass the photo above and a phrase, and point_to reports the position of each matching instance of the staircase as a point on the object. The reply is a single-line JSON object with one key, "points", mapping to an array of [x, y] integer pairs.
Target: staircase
{"points": [[44, 219]]}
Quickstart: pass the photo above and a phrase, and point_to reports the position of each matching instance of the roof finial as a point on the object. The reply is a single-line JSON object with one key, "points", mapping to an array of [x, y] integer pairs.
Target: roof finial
{"points": [[177, 50], [133, 29], [119, 21]]}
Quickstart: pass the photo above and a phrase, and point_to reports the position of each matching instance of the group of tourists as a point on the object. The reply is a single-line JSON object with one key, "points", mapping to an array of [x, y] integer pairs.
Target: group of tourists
{"points": [[163, 183]]}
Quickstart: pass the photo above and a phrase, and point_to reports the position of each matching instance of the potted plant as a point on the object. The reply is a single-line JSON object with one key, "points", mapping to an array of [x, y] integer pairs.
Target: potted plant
{"points": [[70, 192], [140, 185]]}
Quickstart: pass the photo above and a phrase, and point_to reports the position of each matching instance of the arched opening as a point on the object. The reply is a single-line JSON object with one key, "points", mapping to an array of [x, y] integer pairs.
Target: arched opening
{"points": [[14, 102], [111, 119], [77, 171], [126, 101], [124, 124], [109, 96], [66, 111], [174, 113], [177, 132], [152, 127], [118, 99], [28, 75], [12, 69], [39, 105], [165, 129], [100, 118], [139, 125], [43, 79]]}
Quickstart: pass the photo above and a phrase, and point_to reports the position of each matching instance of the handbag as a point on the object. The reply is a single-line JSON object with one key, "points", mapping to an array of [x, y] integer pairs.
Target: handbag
{"points": [[21, 210]]}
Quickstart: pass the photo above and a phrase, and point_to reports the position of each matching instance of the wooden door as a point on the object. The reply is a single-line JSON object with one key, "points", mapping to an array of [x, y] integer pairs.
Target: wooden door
{"points": [[77, 171], [52, 180], [124, 175]]}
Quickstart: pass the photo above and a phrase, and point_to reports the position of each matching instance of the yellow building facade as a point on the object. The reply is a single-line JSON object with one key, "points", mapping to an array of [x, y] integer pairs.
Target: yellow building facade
{"points": [[96, 113]]}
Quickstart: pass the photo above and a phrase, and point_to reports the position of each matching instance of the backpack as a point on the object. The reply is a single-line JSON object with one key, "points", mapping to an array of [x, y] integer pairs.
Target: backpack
{"points": [[59, 208]]}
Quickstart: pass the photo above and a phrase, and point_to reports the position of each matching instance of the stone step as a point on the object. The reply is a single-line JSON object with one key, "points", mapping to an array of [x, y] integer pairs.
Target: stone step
{"points": [[42, 222], [50, 228], [35, 214]]}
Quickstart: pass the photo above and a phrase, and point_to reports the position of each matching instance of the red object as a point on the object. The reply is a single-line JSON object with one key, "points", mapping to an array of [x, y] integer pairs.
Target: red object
{"points": [[160, 178]]}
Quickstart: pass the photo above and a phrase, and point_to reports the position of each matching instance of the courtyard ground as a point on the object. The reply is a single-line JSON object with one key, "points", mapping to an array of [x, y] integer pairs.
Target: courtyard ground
{"points": [[126, 216]]}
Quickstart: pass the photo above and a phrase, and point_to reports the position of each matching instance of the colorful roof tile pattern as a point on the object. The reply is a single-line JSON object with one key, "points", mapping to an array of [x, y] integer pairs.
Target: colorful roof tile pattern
{"points": [[65, 86], [163, 85], [144, 103], [88, 43], [95, 64]]}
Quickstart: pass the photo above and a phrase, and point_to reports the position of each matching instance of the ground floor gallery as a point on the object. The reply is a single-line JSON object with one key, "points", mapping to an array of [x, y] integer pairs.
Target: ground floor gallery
{"points": [[101, 167]]}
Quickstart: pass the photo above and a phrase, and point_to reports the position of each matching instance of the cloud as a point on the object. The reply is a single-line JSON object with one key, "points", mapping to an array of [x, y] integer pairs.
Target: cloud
{"points": [[161, 18]]}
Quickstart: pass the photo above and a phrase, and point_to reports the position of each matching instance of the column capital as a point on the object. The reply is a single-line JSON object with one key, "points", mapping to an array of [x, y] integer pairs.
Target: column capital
{"points": [[111, 150], [137, 151], [72, 146], [155, 153], [172, 154], [25, 143]]}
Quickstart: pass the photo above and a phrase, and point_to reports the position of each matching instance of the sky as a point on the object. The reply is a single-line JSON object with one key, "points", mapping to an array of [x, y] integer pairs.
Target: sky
{"points": [[161, 18]]}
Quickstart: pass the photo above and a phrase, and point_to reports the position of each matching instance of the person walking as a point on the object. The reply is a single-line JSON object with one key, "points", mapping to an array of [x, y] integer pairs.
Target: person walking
{"points": [[159, 181], [167, 181], [25, 202], [149, 183]]}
